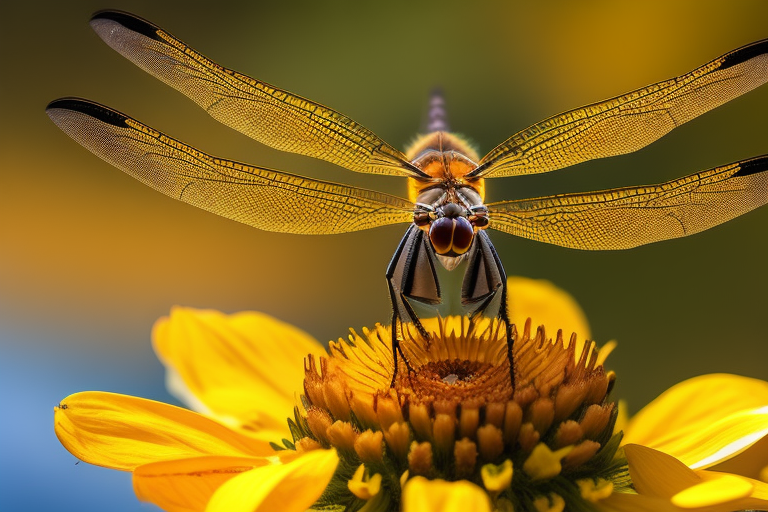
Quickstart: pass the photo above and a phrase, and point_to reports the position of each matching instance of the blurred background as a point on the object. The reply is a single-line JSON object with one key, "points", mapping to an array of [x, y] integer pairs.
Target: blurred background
{"points": [[90, 258]]}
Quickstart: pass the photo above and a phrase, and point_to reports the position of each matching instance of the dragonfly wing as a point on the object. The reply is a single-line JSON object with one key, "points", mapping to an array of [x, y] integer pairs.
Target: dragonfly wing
{"points": [[270, 115], [263, 198], [628, 217], [629, 122]]}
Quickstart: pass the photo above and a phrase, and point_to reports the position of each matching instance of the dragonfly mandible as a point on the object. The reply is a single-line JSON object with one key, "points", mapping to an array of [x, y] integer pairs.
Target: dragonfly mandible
{"points": [[446, 177]]}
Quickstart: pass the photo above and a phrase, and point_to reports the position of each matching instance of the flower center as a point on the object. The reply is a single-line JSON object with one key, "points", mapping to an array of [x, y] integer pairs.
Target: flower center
{"points": [[543, 439], [456, 380]]}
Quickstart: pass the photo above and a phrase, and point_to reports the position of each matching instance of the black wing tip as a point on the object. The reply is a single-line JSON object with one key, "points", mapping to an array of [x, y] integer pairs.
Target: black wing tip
{"points": [[743, 54], [129, 21], [752, 166], [89, 108]]}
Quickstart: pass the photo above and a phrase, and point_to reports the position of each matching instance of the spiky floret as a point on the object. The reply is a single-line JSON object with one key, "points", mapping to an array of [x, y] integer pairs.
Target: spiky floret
{"points": [[458, 417]]}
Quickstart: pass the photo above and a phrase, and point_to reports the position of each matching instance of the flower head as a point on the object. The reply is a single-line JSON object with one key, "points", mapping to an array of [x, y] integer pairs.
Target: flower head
{"points": [[459, 417], [454, 435]]}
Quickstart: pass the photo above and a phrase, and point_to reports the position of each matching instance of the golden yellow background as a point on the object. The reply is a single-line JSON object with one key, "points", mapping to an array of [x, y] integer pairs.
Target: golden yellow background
{"points": [[90, 257]]}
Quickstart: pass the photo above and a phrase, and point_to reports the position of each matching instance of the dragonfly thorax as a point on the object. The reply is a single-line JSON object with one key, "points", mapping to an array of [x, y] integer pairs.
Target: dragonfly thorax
{"points": [[449, 206], [446, 159]]}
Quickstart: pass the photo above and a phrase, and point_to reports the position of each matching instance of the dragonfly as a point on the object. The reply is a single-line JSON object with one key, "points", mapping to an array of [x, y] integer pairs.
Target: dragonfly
{"points": [[445, 209]]}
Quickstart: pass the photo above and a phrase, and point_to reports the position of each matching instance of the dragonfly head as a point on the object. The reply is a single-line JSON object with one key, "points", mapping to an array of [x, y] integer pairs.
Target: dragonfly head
{"points": [[450, 231], [451, 227]]}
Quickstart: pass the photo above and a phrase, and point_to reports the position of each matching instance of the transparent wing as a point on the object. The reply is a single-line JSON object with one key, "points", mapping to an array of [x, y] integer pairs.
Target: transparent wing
{"points": [[270, 115], [627, 217], [627, 123], [263, 198]]}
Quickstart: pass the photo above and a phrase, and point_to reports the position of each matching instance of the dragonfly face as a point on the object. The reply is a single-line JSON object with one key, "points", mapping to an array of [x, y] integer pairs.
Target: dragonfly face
{"points": [[445, 211]]}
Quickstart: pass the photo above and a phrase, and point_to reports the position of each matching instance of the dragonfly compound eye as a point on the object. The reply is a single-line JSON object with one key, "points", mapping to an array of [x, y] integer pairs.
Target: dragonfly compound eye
{"points": [[462, 235], [451, 235]]}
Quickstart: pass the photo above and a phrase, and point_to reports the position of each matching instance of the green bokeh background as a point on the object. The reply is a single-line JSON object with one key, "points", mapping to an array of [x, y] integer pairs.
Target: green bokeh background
{"points": [[90, 257]]}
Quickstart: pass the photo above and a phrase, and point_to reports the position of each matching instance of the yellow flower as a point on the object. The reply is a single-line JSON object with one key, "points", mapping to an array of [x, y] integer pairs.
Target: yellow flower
{"points": [[456, 435]]}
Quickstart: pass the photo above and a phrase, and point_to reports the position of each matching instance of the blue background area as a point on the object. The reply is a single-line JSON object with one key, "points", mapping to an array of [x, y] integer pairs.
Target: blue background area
{"points": [[37, 473]]}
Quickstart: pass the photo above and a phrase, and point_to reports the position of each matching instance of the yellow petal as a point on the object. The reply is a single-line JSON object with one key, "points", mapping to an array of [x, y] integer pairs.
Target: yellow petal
{"points": [[699, 399], [245, 368], [725, 489], [659, 475], [704, 420], [551, 503], [265, 422], [622, 419], [721, 441], [620, 502], [595, 491], [291, 487], [721, 492], [546, 304], [497, 478], [422, 495], [176, 386], [188, 484], [363, 485], [123, 432], [749, 463], [543, 463]]}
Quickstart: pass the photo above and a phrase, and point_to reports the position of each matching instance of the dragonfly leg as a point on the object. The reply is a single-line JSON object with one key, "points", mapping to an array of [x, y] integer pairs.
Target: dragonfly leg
{"points": [[484, 278], [397, 321], [410, 274], [395, 348], [504, 315], [398, 349]]}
